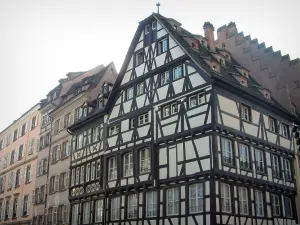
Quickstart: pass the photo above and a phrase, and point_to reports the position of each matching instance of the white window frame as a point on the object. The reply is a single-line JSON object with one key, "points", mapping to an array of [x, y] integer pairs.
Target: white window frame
{"points": [[143, 119], [177, 72], [99, 211], [246, 114], [276, 165], [88, 172], [192, 101], [79, 141], [115, 208], [145, 162], [225, 198], [244, 156], [164, 78], [96, 134], [173, 201], [129, 93], [166, 111], [259, 161], [128, 166], [31, 146], [162, 46], [86, 212], [196, 200], [174, 108], [201, 98], [227, 151], [272, 124], [112, 168], [140, 89], [75, 212], [275, 200], [114, 129], [287, 169], [139, 54], [132, 208], [93, 170], [285, 130], [259, 203], [243, 201], [151, 204]]}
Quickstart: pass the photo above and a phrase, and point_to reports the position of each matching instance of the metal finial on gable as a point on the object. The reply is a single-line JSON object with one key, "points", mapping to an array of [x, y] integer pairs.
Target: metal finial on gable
{"points": [[158, 4]]}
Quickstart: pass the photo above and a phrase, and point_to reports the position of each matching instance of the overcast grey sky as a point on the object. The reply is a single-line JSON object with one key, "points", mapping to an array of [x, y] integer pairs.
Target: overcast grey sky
{"points": [[42, 40]]}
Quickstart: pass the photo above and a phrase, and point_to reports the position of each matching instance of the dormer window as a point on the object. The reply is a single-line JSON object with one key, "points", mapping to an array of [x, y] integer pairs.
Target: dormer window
{"points": [[222, 61], [214, 68], [267, 95], [223, 45], [78, 90], [193, 45], [175, 27], [243, 81]]}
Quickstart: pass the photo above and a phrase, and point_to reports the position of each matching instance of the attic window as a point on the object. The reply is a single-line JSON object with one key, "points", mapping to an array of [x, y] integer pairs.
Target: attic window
{"points": [[193, 45], [227, 56], [222, 61], [243, 81], [202, 42], [147, 29], [78, 90], [267, 95], [153, 25], [223, 46]]}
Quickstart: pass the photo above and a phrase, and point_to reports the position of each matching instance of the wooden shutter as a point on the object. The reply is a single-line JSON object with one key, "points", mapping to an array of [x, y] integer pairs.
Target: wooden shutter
{"points": [[16, 154], [36, 120], [58, 156], [61, 123], [24, 174], [14, 174], [10, 208], [38, 145], [3, 210], [26, 127], [31, 172], [18, 208], [46, 164], [9, 157]]}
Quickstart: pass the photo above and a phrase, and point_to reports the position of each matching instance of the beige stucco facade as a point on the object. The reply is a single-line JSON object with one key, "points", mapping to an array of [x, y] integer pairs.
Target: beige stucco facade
{"points": [[18, 167]]}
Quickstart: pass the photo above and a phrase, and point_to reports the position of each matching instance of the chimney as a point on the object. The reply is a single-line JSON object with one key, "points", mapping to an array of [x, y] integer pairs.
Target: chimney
{"points": [[209, 35]]}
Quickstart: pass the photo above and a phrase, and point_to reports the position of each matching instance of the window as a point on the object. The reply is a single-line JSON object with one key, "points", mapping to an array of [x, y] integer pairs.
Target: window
{"points": [[246, 112], [285, 130], [140, 89], [166, 111], [143, 119], [153, 25], [1, 144], [115, 208], [93, 169], [162, 46], [12, 157], [21, 152], [272, 124], [192, 101], [177, 72], [62, 181], [15, 208], [78, 113], [276, 166], [288, 169], [112, 168], [114, 129], [131, 123], [170, 109], [18, 176], [56, 126], [227, 151], [86, 213], [243, 200], [67, 120], [174, 108], [98, 169], [147, 29], [28, 174], [173, 203], [288, 207], [128, 165], [77, 179], [26, 205], [96, 134], [55, 154], [15, 135], [99, 211], [75, 211], [87, 172], [129, 93], [145, 160], [139, 58], [151, 206], [132, 206], [60, 214], [31, 147], [5, 161], [164, 78], [225, 198], [196, 198], [52, 183], [65, 149], [81, 174], [244, 156], [23, 130], [259, 161], [79, 143], [275, 204], [10, 180], [259, 203]]}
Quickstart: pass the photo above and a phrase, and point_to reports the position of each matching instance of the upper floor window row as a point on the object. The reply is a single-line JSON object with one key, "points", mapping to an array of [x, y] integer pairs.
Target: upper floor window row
{"points": [[274, 127], [245, 160], [87, 137]]}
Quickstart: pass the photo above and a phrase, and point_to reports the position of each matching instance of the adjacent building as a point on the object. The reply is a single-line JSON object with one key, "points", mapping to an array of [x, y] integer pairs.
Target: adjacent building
{"points": [[185, 136], [18, 158], [270, 68]]}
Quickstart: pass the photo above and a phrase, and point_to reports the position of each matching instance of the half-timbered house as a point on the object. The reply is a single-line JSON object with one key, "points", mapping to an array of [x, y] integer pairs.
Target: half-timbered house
{"points": [[185, 136]]}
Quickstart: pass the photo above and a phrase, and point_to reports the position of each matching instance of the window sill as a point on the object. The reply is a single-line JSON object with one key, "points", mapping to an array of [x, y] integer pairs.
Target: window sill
{"points": [[246, 169], [247, 121], [229, 165], [17, 186], [144, 173], [166, 117], [261, 173], [277, 177], [109, 180]]}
